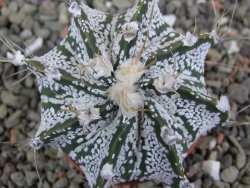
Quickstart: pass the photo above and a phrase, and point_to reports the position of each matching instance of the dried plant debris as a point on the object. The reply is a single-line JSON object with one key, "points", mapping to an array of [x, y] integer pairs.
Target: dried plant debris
{"points": [[124, 96]]}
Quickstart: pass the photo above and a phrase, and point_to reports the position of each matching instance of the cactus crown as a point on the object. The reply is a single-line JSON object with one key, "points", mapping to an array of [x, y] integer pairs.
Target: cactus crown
{"points": [[124, 96]]}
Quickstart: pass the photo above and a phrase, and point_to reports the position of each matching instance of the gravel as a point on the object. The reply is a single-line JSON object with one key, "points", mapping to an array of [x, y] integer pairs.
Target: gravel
{"points": [[225, 162]]}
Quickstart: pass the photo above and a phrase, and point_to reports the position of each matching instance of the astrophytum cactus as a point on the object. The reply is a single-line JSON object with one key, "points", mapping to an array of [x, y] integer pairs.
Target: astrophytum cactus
{"points": [[124, 96]]}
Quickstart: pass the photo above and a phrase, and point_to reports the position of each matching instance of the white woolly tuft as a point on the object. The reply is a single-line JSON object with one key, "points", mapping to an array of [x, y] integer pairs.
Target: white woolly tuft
{"points": [[223, 104], [52, 73], [130, 71], [189, 39], [100, 67], [130, 30], [107, 172], [127, 98], [167, 83], [168, 135], [16, 58], [75, 9], [88, 115]]}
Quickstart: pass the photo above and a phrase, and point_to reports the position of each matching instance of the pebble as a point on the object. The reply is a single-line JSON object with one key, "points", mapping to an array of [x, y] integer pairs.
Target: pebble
{"points": [[28, 8], [229, 174], [3, 111], [239, 93], [61, 183], [227, 161], [31, 178], [13, 7], [11, 100], [18, 178], [27, 22], [122, 4], [240, 160], [212, 168], [246, 180], [17, 18], [14, 119]]}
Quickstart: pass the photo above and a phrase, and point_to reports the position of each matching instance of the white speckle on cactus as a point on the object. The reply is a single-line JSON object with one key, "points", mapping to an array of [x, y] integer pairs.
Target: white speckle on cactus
{"points": [[52, 74], [16, 58], [130, 30], [107, 172], [215, 36], [35, 143], [100, 67], [75, 9], [167, 83], [223, 104], [189, 39], [88, 115]]}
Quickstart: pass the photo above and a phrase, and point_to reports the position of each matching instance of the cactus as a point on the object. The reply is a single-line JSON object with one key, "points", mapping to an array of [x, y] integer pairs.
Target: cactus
{"points": [[124, 96]]}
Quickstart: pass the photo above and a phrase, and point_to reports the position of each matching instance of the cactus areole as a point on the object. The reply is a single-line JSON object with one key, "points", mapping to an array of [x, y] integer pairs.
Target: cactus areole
{"points": [[124, 96]]}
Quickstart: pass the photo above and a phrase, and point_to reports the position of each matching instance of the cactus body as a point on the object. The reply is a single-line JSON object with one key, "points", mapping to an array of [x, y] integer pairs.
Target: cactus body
{"points": [[124, 96]]}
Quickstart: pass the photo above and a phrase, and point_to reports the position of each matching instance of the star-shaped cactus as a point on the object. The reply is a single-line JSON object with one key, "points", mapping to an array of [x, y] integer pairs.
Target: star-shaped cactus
{"points": [[124, 96]]}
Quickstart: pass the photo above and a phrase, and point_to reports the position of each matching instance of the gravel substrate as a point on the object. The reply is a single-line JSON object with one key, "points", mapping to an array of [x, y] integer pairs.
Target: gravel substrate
{"points": [[221, 159]]}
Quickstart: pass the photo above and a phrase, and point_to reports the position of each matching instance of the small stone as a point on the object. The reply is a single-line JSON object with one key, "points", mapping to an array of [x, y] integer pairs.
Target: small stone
{"points": [[219, 184], [31, 178], [213, 155], [236, 143], [27, 22], [229, 174], [13, 7], [17, 18], [227, 161], [212, 168], [240, 160], [122, 4], [18, 178], [14, 119], [28, 8], [146, 185], [51, 177], [3, 111], [53, 25], [5, 11], [3, 21], [239, 93], [26, 33], [245, 180], [43, 32], [61, 183]]}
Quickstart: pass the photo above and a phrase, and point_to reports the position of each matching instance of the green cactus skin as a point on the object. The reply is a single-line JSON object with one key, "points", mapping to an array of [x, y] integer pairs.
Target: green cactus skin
{"points": [[124, 96]]}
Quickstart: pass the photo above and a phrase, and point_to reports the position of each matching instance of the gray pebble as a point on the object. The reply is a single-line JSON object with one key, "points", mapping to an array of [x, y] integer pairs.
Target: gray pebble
{"points": [[5, 11], [226, 161], [28, 22], [239, 93], [3, 21], [17, 18], [240, 160], [13, 7], [220, 184], [61, 183], [246, 180], [31, 178], [43, 32], [28, 8], [26, 33], [74, 185], [3, 111], [18, 178], [14, 119], [229, 174], [213, 155], [123, 4], [53, 25], [51, 177]]}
